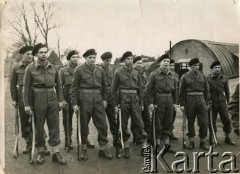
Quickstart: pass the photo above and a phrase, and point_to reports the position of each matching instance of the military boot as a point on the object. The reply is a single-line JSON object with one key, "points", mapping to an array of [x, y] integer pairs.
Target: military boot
{"points": [[27, 149], [40, 158], [105, 154], [229, 141], [126, 153], [57, 158]]}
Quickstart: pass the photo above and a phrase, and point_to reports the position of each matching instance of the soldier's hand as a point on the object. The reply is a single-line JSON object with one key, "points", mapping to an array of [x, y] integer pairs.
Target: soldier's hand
{"points": [[151, 107], [182, 108], [76, 108], [142, 108], [60, 105], [105, 104], [14, 103], [174, 107], [27, 109], [116, 110], [64, 104]]}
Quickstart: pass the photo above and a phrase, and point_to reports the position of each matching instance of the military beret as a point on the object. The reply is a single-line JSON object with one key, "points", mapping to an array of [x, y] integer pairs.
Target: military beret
{"points": [[106, 55], [135, 59], [24, 49], [125, 55], [193, 61], [164, 56], [37, 47], [215, 63], [89, 52], [172, 61], [71, 53]]}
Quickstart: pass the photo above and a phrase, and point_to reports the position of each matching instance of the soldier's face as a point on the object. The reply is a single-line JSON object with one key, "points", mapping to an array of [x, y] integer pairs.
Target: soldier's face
{"points": [[128, 61], [74, 59], [195, 67], [138, 64], [91, 59], [172, 66], [27, 57], [42, 54], [217, 69], [107, 62], [165, 63]]}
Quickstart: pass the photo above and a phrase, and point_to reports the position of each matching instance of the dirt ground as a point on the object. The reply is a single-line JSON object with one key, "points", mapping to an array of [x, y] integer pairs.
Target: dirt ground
{"points": [[99, 166]]}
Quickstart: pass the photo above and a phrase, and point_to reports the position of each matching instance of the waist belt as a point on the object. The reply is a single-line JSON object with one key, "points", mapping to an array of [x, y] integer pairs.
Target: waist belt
{"points": [[92, 91], [216, 93], [194, 93], [164, 94], [43, 89], [133, 91]]}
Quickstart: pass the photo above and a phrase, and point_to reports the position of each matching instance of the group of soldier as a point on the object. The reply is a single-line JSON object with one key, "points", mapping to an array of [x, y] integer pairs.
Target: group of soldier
{"points": [[96, 91]]}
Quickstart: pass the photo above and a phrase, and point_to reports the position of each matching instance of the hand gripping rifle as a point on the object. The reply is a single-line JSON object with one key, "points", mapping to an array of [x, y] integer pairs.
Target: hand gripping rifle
{"points": [[31, 154], [79, 138], [212, 136], [15, 150]]}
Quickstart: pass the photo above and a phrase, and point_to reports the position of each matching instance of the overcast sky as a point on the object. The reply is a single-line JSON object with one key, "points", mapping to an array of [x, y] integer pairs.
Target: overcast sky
{"points": [[143, 26]]}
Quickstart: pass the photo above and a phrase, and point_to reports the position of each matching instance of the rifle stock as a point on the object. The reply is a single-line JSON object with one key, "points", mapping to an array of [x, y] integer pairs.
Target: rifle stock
{"points": [[31, 154], [15, 150]]}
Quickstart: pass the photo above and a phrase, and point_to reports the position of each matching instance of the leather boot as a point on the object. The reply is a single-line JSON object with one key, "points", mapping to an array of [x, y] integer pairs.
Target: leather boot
{"points": [[84, 155], [203, 146], [191, 145], [27, 149], [90, 145], [229, 141], [57, 158], [105, 154], [40, 158], [126, 153]]}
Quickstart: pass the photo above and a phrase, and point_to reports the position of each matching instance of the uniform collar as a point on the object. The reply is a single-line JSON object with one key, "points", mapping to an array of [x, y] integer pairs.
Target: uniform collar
{"points": [[38, 64], [23, 64], [126, 69], [214, 76], [71, 67], [161, 70]]}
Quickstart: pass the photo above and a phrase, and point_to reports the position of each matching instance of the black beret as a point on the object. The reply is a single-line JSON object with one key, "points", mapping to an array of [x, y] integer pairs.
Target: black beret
{"points": [[106, 55], [89, 52], [125, 55], [164, 56], [215, 63], [37, 47], [193, 61], [24, 49], [71, 53], [135, 59], [172, 61]]}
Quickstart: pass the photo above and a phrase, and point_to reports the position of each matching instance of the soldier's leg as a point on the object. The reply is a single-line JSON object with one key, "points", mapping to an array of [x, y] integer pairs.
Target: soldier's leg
{"points": [[172, 136], [146, 120], [191, 109], [25, 124], [215, 103], [111, 119], [40, 112], [202, 116]]}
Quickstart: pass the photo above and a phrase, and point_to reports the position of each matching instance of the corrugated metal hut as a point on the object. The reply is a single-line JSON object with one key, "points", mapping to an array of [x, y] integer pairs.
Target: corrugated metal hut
{"points": [[207, 52]]}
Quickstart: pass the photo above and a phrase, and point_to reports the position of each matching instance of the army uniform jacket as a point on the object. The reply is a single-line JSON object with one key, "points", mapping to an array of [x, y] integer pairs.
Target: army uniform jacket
{"points": [[17, 75], [37, 76], [193, 83], [85, 78]]}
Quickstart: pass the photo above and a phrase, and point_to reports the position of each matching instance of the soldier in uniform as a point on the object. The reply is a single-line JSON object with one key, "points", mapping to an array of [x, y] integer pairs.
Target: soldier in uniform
{"points": [[161, 90], [172, 68], [194, 98], [233, 108], [42, 80], [16, 87], [137, 64], [127, 81], [220, 95], [89, 92], [106, 58], [66, 76]]}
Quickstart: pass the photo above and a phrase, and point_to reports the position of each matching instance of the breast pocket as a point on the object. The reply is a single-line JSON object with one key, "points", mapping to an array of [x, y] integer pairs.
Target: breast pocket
{"points": [[67, 78], [86, 78], [50, 75], [20, 75], [98, 78], [201, 82], [124, 80], [38, 77]]}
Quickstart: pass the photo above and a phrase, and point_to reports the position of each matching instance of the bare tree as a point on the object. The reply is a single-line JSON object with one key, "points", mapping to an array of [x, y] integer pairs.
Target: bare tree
{"points": [[21, 27], [43, 16]]}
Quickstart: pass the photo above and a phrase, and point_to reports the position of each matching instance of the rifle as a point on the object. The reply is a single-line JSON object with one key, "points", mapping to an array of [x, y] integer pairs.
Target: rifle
{"points": [[31, 154], [79, 138], [119, 134], [212, 136], [184, 129], [15, 150]]}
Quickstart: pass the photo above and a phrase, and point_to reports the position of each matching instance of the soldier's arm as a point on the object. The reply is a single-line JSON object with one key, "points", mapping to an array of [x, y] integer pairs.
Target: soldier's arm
{"points": [[140, 89], [115, 85], [13, 84], [174, 92], [227, 90], [62, 81], [58, 87], [105, 89], [182, 91], [75, 87], [207, 95], [27, 84], [149, 89]]}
